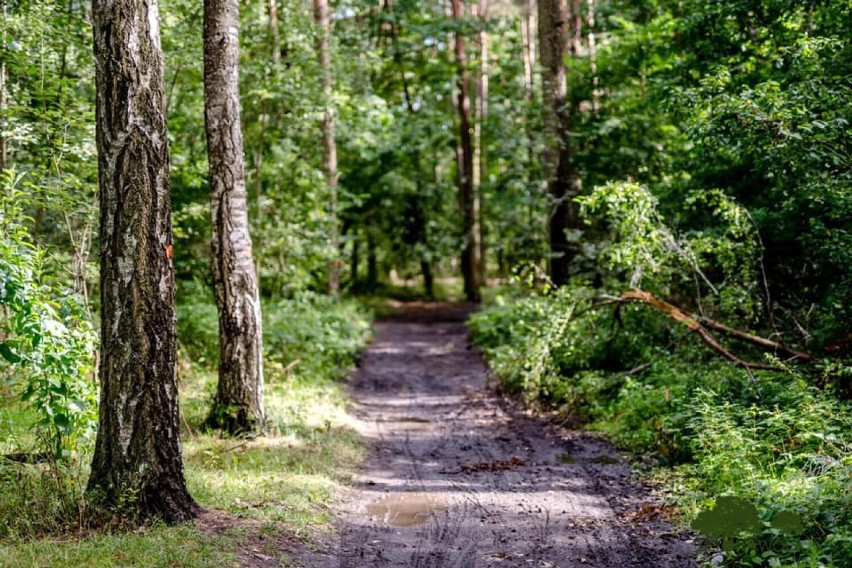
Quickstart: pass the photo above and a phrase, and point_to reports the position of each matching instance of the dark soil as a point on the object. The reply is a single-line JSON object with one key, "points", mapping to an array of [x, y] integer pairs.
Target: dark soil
{"points": [[459, 476]]}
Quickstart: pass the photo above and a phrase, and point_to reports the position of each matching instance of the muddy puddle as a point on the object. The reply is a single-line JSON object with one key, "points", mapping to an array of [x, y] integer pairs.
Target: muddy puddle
{"points": [[406, 423], [406, 509]]}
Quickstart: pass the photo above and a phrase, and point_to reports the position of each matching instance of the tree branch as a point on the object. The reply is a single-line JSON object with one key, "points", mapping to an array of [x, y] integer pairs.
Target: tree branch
{"points": [[699, 325]]}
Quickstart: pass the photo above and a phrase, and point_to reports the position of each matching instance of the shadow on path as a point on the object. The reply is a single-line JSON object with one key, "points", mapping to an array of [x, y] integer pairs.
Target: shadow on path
{"points": [[458, 477]]}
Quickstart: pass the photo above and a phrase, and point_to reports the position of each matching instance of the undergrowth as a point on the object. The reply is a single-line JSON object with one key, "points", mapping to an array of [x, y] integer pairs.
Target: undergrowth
{"points": [[283, 481], [756, 451], [778, 444]]}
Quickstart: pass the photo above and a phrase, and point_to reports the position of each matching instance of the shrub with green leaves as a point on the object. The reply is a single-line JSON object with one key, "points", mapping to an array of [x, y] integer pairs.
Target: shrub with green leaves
{"points": [[770, 443], [46, 337], [316, 334], [772, 440]]}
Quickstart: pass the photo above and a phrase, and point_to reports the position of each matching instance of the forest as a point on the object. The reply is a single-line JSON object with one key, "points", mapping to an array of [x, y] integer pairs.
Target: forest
{"points": [[323, 283]]}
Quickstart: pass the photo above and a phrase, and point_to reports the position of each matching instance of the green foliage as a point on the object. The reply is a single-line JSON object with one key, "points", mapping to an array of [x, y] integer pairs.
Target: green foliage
{"points": [[768, 448], [317, 336], [773, 441], [312, 335], [641, 245], [46, 336], [37, 500]]}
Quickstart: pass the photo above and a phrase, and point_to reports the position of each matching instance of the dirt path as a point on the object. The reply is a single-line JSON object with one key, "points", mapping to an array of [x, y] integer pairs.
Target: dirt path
{"points": [[458, 477]]}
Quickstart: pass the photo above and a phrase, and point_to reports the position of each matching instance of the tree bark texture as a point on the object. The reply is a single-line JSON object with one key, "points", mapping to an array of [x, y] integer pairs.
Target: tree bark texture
{"points": [[553, 29], [329, 146], [4, 160], [137, 461], [467, 194], [238, 405], [480, 160]]}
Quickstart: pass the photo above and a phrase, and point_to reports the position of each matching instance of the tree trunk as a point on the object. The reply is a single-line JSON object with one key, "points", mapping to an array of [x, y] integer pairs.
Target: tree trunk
{"points": [[593, 57], [238, 405], [467, 195], [329, 147], [372, 263], [4, 110], [553, 24], [137, 459], [354, 261], [428, 279], [480, 162], [528, 39]]}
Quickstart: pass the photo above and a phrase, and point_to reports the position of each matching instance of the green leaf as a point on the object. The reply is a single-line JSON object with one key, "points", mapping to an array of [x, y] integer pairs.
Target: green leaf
{"points": [[8, 354], [61, 421]]}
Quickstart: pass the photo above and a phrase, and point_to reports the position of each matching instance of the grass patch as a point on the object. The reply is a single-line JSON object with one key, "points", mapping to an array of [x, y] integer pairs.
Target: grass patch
{"points": [[182, 546], [291, 474], [281, 483]]}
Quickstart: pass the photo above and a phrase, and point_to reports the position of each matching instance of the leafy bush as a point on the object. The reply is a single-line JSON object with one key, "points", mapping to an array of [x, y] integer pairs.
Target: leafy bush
{"points": [[771, 439], [314, 333], [768, 444], [45, 335], [317, 335]]}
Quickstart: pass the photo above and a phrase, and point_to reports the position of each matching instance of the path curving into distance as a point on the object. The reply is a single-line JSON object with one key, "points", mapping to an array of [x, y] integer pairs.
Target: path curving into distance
{"points": [[459, 477]]}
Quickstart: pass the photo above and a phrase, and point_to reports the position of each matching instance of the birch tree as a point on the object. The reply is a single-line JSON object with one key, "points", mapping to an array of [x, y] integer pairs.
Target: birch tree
{"points": [[238, 404], [137, 460]]}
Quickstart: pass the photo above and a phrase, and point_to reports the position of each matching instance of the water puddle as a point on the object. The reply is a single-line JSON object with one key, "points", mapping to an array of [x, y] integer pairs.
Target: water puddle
{"points": [[407, 423], [406, 509]]}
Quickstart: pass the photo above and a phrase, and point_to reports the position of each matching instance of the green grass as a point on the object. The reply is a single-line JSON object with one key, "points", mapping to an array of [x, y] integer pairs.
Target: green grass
{"points": [[289, 475], [282, 483], [182, 546]]}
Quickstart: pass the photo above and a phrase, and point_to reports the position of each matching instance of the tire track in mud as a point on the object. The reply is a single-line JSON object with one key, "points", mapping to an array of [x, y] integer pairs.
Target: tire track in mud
{"points": [[459, 478]]}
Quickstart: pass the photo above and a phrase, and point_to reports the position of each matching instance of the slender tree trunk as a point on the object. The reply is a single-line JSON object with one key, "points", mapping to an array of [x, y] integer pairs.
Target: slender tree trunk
{"points": [[137, 459], [480, 162], [576, 28], [553, 27], [275, 31], [467, 195], [528, 39], [238, 405], [4, 105], [354, 261], [593, 58], [428, 279], [527, 46], [329, 146], [372, 263]]}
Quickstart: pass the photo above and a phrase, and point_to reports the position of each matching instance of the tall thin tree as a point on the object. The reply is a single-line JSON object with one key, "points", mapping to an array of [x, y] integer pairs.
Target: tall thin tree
{"points": [[238, 405], [137, 457], [467, 195], [480, 164], [553, 28], [329, 145]]}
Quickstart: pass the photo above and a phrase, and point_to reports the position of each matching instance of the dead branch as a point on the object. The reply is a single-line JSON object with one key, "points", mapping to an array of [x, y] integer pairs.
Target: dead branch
{"points": [[697, 324], [289, 367], [757, 340]]}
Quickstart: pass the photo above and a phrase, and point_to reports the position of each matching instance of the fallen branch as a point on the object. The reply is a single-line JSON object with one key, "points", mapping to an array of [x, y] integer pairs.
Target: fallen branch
{"points": [[289, 367], [757, 340], [699, 325]]}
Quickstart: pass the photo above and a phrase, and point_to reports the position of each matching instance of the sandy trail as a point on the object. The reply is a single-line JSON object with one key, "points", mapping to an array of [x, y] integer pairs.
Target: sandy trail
{"points": [[459, 477]]}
